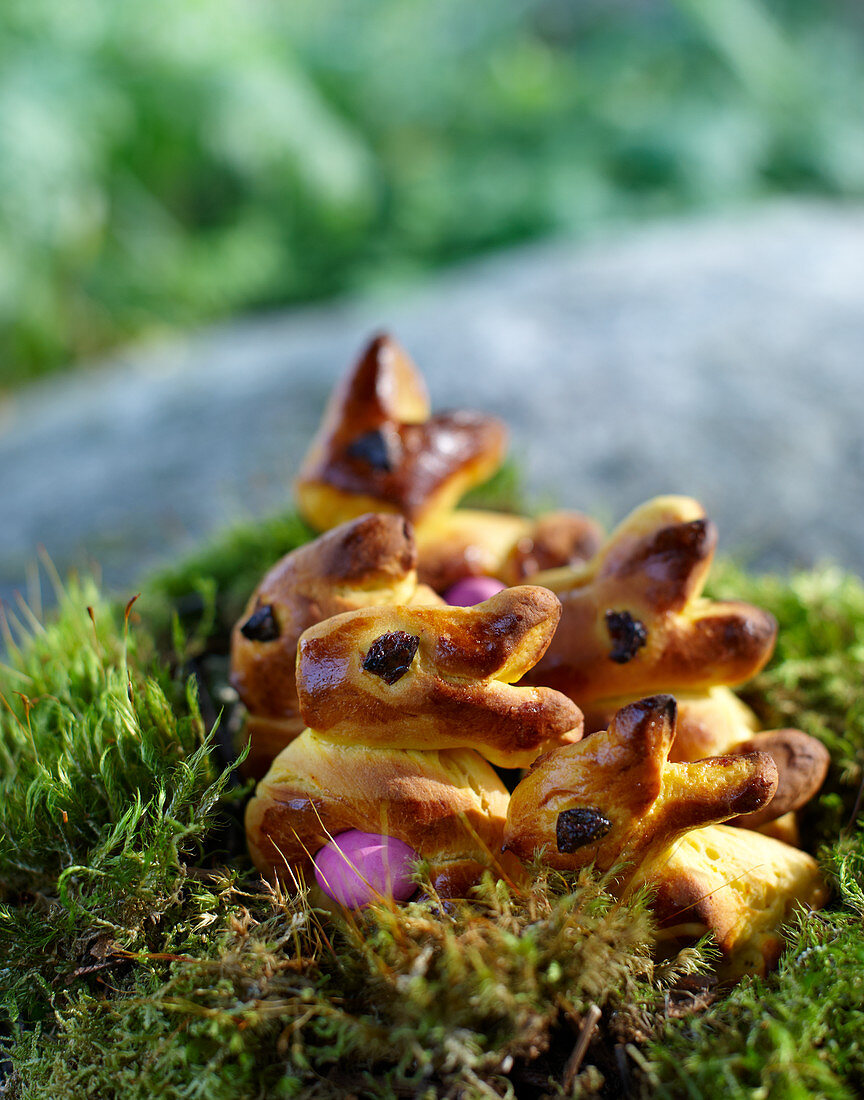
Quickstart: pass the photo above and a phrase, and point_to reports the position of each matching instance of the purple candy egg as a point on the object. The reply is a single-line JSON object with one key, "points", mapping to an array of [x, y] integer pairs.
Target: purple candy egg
{"points": [[471, 590], [356, 868]]}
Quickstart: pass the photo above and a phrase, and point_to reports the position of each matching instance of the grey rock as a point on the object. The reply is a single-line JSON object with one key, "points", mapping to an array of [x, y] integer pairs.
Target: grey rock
{"points": [[720, 357]]}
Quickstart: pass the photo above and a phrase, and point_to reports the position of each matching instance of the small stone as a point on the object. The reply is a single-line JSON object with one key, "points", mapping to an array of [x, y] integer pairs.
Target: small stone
{"points": [[357, 868], [473, 590]]}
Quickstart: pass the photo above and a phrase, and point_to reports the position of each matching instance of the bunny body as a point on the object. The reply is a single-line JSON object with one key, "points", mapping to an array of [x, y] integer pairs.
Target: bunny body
{"points": [[405, 708], [615, 801]]}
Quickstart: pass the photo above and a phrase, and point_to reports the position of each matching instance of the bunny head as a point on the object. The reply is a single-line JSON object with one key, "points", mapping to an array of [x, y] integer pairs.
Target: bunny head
{"points": [[366, 562], [437, 678], [634, 620], [379, 447], [614, 797]]}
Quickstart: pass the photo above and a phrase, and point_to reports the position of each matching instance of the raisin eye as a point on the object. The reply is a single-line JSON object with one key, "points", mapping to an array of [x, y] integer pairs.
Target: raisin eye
{"points": [[578, 827], [390, 656], [628, 636], [261, 626], [381, 452]]}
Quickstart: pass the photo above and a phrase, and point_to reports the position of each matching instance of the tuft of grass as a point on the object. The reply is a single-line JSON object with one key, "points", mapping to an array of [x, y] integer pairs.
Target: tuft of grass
{"points": [[420, 1000], [106, 789], [796, 1034]]}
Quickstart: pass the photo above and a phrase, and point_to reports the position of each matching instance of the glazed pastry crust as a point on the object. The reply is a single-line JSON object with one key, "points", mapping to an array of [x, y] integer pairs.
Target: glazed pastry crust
{"points": [[709, 723], [718, 723], [364, 563], [449, 806], [457, 689], [468, 543], [624, 776], [739, 885], [634, 620], [555, 540], [380, 448]]}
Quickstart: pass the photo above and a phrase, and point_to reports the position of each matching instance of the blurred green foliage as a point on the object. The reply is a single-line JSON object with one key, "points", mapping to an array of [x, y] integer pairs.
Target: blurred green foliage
{"points": [[165, 162]]}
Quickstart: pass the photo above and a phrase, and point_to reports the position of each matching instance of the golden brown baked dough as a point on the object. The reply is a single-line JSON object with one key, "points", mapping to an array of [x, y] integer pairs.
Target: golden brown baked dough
{"points": [[783, 828], [449, 806], [379, 447], [402, 702], [615, 798], [634, 619], [717, 723], [709, 722], [363, 563], [468, 543], [802, 764], [736, 884], [432, 677]]}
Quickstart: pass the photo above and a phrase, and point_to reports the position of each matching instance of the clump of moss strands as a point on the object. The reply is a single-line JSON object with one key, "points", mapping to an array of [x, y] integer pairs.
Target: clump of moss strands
{"points": [[141, 956]]}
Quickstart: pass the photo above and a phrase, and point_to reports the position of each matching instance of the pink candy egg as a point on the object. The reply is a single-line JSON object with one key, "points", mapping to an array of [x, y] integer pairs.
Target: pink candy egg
{"points": [[356, 868], [471, 590]]}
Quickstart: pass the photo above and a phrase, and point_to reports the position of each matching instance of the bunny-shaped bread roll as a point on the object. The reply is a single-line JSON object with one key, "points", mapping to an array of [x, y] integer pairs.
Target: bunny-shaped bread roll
{"points": [[614, 799], [380, 448], [365, 562], [634, 621], [405, 707], [717, 723], [425, 677]]}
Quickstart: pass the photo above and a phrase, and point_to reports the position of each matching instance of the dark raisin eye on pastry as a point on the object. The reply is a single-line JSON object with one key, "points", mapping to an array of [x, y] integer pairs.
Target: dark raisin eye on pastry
{"points": [[579, 826], [628, 635], [390, 656], [261, 626]]}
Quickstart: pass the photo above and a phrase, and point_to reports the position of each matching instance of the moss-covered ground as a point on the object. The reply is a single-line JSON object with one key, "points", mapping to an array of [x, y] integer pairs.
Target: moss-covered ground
{"points": [[140, 956]]}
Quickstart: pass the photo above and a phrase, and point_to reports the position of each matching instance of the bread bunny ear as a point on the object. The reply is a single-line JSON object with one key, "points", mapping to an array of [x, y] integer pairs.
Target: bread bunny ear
{"points": [[379, 449], [614, 796], [369, 561], [384, 387], [634, 619], [437, 678], [502, 637]]}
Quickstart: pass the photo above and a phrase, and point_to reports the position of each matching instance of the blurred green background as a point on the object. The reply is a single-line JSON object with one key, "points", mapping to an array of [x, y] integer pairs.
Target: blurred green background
{"points": [[168, 162]]}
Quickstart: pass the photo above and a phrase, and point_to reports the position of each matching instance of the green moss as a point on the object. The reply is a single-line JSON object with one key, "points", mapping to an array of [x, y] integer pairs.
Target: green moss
{"points": [[800, 1032], [141, 956]]}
